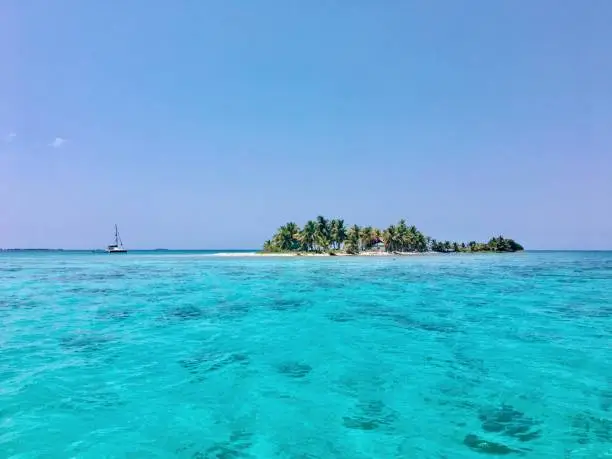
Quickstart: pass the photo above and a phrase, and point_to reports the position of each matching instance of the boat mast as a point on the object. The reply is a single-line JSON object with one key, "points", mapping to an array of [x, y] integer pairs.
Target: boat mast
{"points": [[117, 238]]}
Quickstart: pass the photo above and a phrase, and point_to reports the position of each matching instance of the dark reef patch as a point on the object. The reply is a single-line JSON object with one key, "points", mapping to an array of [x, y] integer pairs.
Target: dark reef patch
{"points": [[476, 443], [84, 342], [114, 314], [370, 415], [234, 448], [294, 369], [288, 304], [360, 423], [438, 327], [403, 320], [186, 313], [508, 421], [221, 451], [340, 317]]}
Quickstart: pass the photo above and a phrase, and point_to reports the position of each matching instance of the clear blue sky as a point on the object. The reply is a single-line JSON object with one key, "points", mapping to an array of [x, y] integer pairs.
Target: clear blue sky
{"points": [[208, 124]]}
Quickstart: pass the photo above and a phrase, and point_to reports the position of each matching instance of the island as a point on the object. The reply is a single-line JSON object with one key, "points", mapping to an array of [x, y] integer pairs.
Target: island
{"points": [[324, 236]]}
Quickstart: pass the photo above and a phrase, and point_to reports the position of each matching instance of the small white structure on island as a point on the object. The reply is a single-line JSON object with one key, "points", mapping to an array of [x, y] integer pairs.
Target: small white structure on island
{"points": [[378, 247]]}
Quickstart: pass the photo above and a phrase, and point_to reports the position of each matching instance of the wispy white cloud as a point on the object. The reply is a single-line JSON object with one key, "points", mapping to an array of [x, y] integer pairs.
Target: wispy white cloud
{"points": [[11, 137], [57, 142]]}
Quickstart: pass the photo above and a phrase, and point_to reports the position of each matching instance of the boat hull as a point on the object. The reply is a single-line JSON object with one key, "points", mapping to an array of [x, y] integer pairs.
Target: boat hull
{"points": [[117, 251]]}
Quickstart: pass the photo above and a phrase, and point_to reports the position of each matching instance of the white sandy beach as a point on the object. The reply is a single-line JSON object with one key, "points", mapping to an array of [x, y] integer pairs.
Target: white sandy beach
{"points": [[308, 254]]}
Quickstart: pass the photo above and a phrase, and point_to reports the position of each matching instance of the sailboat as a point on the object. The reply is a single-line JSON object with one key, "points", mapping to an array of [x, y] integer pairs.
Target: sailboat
{"points": [[117, 247]]}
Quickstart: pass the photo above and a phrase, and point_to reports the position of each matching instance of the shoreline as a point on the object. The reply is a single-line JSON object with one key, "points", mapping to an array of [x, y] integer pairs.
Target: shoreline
{"points": [[312, 254], [344, 255]]}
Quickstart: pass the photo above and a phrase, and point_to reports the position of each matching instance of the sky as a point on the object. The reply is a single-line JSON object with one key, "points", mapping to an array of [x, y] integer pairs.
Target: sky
{"points": [[209, 124]]}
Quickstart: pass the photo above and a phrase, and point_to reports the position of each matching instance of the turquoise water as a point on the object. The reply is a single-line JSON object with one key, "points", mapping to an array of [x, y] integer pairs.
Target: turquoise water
{"points": [[192, 356]]}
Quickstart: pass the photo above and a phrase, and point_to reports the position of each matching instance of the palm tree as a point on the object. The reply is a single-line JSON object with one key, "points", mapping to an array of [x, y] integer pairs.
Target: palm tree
{"points": [[341, 230], [308, 236], [420, 243], [353, 240], [391, 238], [366, 237], [294, 230], [514, 246], [337, 233], [323, 232], [403, 236], [287, 237], [333, 223]]}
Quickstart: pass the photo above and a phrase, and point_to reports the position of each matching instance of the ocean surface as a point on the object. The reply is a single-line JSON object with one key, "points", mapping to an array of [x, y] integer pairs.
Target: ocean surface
{"points": [[188, 355]]}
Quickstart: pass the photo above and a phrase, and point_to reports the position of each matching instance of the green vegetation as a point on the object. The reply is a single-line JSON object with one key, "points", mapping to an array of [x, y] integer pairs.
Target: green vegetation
{"points": [[330, 236]]}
